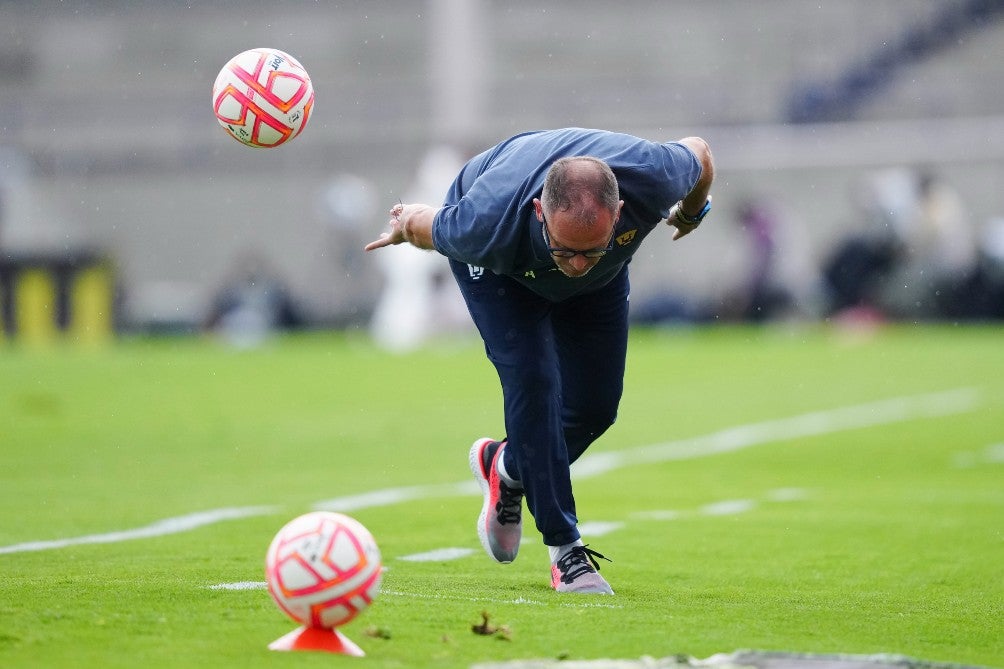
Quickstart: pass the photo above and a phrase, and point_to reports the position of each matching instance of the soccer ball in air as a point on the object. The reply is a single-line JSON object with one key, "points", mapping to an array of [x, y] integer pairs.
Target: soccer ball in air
{"points": [[323, 569], [263, 97]]}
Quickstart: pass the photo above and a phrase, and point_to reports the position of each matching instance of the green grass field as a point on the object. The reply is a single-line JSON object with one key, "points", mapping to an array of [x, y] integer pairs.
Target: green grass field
{"points": [[790, 490]]}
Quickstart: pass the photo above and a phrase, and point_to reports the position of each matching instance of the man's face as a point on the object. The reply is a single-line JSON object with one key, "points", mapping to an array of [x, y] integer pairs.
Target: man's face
{"points": [[574, 247]]}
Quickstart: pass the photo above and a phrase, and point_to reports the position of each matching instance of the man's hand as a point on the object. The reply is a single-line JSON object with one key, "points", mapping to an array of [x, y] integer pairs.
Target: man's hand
{"points": [[410, 223], [682, 229], [396, 234]]}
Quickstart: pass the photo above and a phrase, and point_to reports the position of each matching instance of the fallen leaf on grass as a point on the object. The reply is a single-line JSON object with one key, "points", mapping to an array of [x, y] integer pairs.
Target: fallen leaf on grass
{"points": [[377, 632], [486, 629]]}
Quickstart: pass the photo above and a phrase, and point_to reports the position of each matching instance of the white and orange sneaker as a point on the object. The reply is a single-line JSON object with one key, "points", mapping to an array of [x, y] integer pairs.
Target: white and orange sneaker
{"points": [[500, 525], [576, 570]]}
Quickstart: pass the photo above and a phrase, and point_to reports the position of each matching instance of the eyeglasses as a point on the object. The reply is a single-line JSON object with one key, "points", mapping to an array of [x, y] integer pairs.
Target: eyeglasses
{"points": [[558, 252]]}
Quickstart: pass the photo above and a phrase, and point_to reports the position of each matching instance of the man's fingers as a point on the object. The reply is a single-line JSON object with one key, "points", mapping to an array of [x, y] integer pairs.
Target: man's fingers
{"points": [[379, 243]]}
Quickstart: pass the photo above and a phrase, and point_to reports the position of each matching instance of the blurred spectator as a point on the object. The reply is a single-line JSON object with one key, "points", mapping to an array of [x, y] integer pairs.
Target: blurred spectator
{"points": [[986, 284], [782, 279], [252, 304], [419, 298], [916, 257], [5, 179], [938, 254], [347, 206], [856, 270]]}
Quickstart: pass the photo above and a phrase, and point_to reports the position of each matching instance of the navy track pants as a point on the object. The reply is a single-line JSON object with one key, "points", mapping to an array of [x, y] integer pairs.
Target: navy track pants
{"points": [[561, 366]]}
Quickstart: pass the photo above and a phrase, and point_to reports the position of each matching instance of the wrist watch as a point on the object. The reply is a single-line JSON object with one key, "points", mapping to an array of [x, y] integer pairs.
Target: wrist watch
{"points": [[692, 220]]}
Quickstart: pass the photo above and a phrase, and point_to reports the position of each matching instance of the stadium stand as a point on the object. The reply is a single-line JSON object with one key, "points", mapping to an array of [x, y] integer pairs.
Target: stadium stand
{"points": [[839, 100], [108, 112]]}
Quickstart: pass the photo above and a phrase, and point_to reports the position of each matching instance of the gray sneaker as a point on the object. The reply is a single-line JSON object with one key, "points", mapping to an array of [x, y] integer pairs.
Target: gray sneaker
{"points": [[500, 525], [578, 571]]}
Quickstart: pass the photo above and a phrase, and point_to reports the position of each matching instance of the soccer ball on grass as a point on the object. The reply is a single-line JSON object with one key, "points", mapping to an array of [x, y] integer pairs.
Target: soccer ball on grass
{"points": [[263, 97], [323, 569]]}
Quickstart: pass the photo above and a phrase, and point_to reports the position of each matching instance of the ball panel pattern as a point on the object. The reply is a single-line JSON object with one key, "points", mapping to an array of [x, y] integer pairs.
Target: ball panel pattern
{"points": [[323, 569], [263, 97]]}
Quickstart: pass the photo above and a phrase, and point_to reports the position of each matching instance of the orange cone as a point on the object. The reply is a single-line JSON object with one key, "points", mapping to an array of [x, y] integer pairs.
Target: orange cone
{"points": [[317, 638]]}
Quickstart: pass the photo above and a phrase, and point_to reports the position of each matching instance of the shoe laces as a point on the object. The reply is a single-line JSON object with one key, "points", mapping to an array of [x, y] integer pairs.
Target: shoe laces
{"points": [[577, 561], [509, 508]]}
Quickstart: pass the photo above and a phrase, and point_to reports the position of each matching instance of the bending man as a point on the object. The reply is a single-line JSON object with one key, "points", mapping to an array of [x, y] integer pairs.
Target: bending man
{"points": [[540, 230]]}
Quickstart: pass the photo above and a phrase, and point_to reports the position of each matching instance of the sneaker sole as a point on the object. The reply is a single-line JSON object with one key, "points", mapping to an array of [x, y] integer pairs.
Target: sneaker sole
{"points": [[591, 590], [588, 584], [482, 478]]}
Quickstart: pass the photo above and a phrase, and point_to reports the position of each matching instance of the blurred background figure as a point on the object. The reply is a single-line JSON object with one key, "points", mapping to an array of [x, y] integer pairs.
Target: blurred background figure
{"points": [[936, 253], [252, 304], [861, 262], [984, 290], [348, 206], [781, 279], [419, 299], [3, 197], [940, 249], [915, 258]]}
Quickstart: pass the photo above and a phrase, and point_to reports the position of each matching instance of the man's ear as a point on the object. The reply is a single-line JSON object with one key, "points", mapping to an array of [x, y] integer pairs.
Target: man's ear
{"points": [[538, 208]]}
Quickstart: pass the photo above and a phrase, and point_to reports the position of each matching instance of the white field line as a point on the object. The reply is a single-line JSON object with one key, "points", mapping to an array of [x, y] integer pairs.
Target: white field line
{"points": [[438, 555], [883, 412], [389, 496], [592, 529], [992, 454], [262, 585], [156, 529], [816, 423], [240, 585], [599, 528], [492, 600], [728, 507]]}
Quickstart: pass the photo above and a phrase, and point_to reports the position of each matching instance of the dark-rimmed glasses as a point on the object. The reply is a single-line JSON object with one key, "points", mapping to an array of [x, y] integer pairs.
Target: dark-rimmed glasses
{"points": [[558, 252]]}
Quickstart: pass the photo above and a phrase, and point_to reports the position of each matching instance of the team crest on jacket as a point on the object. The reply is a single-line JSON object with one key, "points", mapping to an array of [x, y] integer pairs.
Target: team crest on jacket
{"points": [[625, 239]]}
